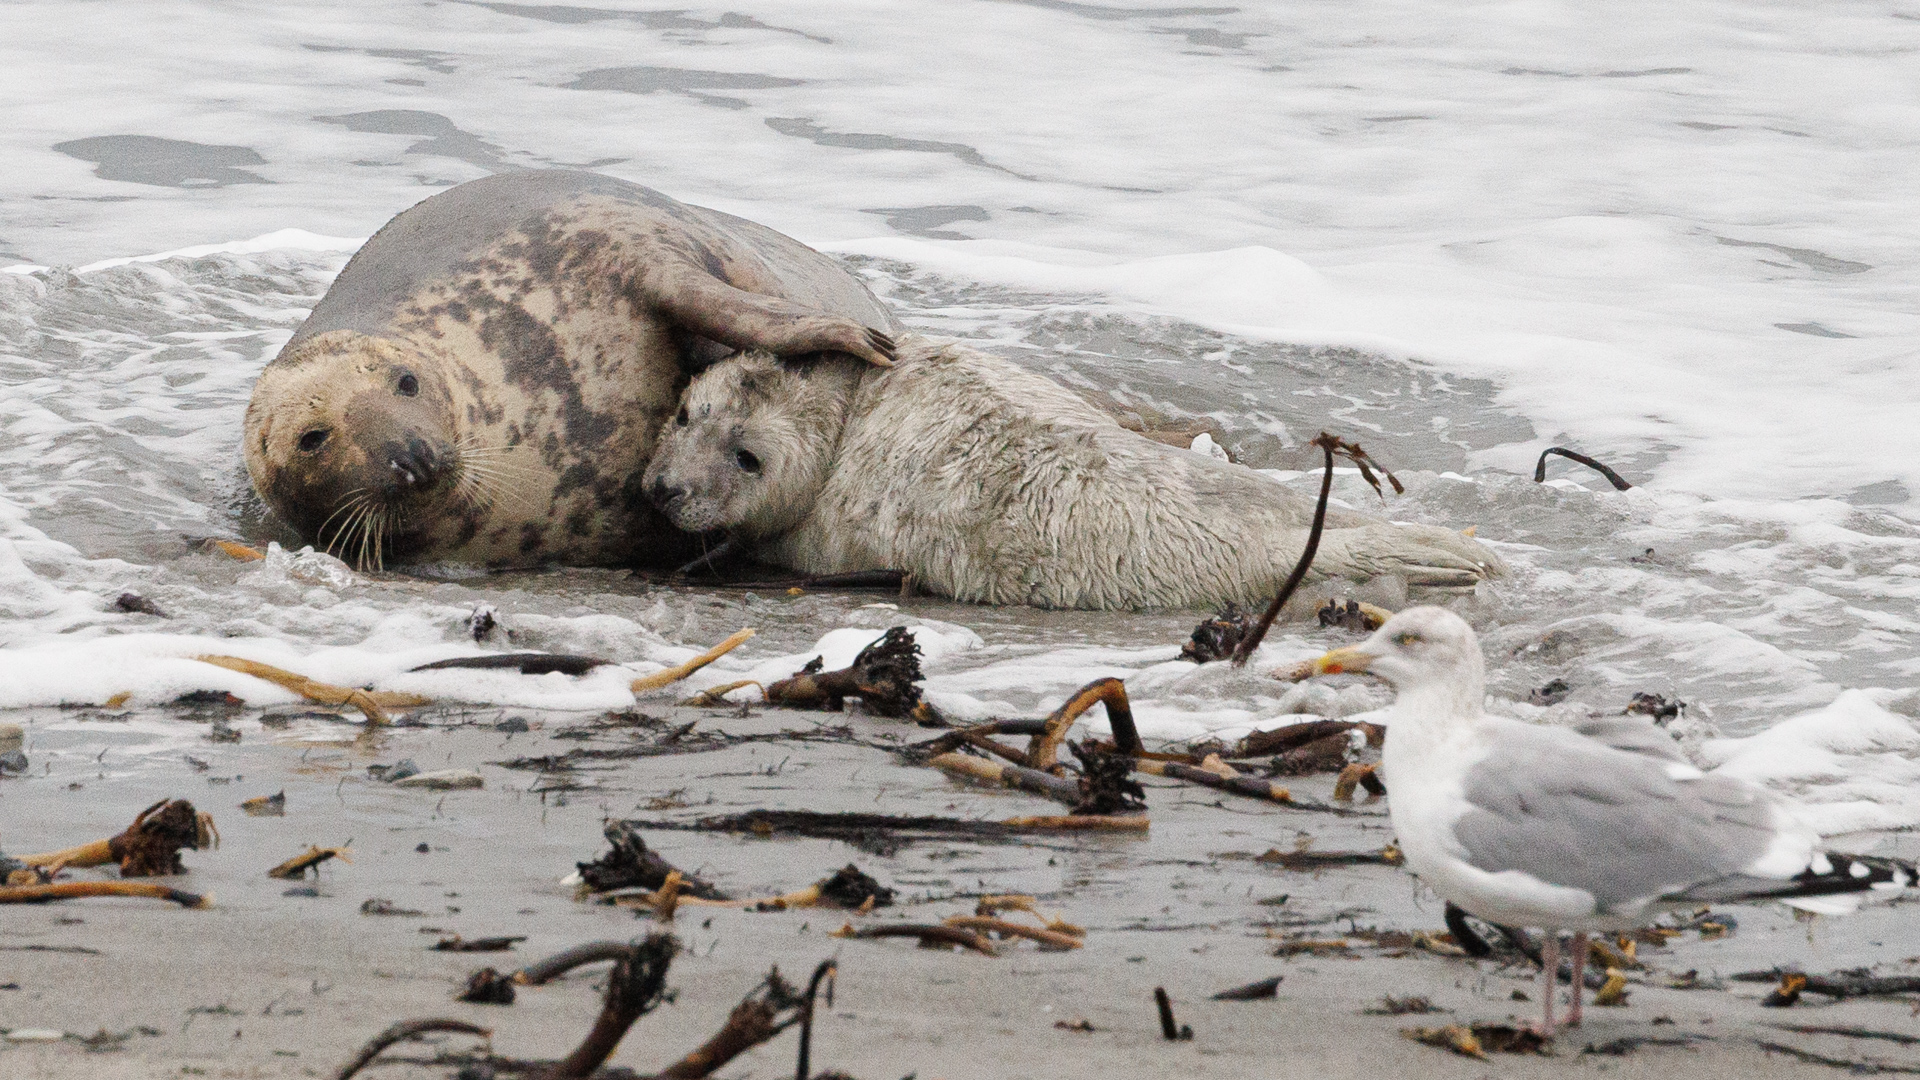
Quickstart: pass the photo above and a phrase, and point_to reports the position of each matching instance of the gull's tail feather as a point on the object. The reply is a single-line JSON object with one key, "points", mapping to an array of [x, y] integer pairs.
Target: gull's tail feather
{"points": [[1832, 884]]}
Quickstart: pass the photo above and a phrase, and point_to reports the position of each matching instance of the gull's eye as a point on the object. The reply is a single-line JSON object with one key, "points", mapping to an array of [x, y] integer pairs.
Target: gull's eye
{"points": [[1406, 637], [680, 418], [746, 461], [408, 386]]}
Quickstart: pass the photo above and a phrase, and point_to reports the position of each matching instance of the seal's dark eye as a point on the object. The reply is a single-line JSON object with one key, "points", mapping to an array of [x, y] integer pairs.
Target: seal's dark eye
{"points": [[681, 418], [746, 461], [407, 386], [315, 439]]}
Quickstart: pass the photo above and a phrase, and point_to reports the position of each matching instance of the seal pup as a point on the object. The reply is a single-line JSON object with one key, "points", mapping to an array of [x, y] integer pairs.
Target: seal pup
{"points": [[989, 483], [483, 383]]}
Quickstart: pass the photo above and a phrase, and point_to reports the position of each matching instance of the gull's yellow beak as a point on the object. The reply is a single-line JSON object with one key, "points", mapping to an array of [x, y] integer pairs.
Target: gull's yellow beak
{"points": [[1350, 659]]}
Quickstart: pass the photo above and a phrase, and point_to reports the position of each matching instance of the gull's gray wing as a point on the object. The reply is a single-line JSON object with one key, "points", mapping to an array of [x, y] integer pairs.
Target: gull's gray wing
{"points": [[1634, 734], [1574, 812]]}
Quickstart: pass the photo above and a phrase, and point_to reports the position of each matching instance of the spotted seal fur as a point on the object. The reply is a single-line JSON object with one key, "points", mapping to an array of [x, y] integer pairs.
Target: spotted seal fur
{"points": [[485, 379], [989, 483]]}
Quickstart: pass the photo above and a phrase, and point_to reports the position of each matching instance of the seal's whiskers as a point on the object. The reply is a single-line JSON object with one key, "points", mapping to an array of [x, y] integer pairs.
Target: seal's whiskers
{"points": [[489, 475], [352, 499], [355, 508]]}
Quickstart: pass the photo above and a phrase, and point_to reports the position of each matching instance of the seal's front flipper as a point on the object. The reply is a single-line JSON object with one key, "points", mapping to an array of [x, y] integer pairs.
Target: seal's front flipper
{"points": [[704, 305]]}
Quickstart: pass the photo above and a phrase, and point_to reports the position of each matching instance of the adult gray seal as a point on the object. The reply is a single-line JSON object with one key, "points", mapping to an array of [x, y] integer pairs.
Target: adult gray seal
{"points": [[989, 483], [484, 381]]}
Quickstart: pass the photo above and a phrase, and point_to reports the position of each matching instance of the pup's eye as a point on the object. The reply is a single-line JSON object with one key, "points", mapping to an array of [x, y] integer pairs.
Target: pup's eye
{"points": [[315, 439], [1406, 638], [680, 418], [746, 461], [408, 386]]}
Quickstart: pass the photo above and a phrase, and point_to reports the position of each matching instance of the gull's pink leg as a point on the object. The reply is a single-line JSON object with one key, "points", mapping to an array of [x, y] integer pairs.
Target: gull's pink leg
{"points": [[1579, 977], [1549, 978]]}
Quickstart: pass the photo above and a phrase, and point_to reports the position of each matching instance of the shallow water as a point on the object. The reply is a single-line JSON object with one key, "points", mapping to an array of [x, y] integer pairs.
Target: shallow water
{"points": [[1668, 241]]}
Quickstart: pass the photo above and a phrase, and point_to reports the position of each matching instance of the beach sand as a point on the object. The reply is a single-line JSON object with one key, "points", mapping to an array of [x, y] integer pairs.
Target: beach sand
{"points": [[279, 978]]}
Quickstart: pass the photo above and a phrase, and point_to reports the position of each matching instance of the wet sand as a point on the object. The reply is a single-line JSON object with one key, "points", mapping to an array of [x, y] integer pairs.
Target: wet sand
{"points": [[282, 978]]}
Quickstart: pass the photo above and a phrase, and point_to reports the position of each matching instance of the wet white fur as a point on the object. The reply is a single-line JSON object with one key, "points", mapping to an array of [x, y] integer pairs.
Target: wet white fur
{"points": [[989, 483]]}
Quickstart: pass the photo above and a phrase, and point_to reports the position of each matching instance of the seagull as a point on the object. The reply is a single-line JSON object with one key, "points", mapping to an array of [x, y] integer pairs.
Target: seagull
{"points": [[1562, 829]]}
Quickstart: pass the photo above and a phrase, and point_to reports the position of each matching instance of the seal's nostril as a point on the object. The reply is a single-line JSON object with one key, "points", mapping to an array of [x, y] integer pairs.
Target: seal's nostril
{"points": [[413, 463], [663, 496]]}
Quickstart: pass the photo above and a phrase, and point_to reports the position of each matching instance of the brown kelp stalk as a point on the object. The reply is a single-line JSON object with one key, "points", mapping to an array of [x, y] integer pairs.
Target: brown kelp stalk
{"points": [[400, 1032], [1112, 693], [756, 1020], [69, 890], [1540, 467], [827, 971], [680, 671], [148, 847], [635, 986], [885, 677], [1329, 445], [373, 703]]}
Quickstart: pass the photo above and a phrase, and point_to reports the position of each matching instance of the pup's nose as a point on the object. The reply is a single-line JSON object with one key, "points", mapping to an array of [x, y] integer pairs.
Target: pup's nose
{"points": [[664, 495]]}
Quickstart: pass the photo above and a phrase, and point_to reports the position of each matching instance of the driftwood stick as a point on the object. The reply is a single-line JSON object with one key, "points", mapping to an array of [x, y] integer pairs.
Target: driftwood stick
{"points": [[406, 1029], [69, 890], [1042, 752], [633, 988], [680, 671]]}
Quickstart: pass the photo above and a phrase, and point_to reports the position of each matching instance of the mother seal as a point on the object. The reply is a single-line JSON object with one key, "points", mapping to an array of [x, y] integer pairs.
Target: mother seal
{"points": [[484, 381], [989, 483]]}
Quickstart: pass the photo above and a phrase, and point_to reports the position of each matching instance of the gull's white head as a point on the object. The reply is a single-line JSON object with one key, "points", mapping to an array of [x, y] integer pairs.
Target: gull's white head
{"points": [[1421, 651]]}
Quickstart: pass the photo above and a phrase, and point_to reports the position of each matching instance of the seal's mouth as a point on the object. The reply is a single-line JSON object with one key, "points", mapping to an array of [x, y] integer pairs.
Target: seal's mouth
{"points": [[415, 464], [693, 513], [362, 528], [405, 480], [415, 487], [678, 503]]}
